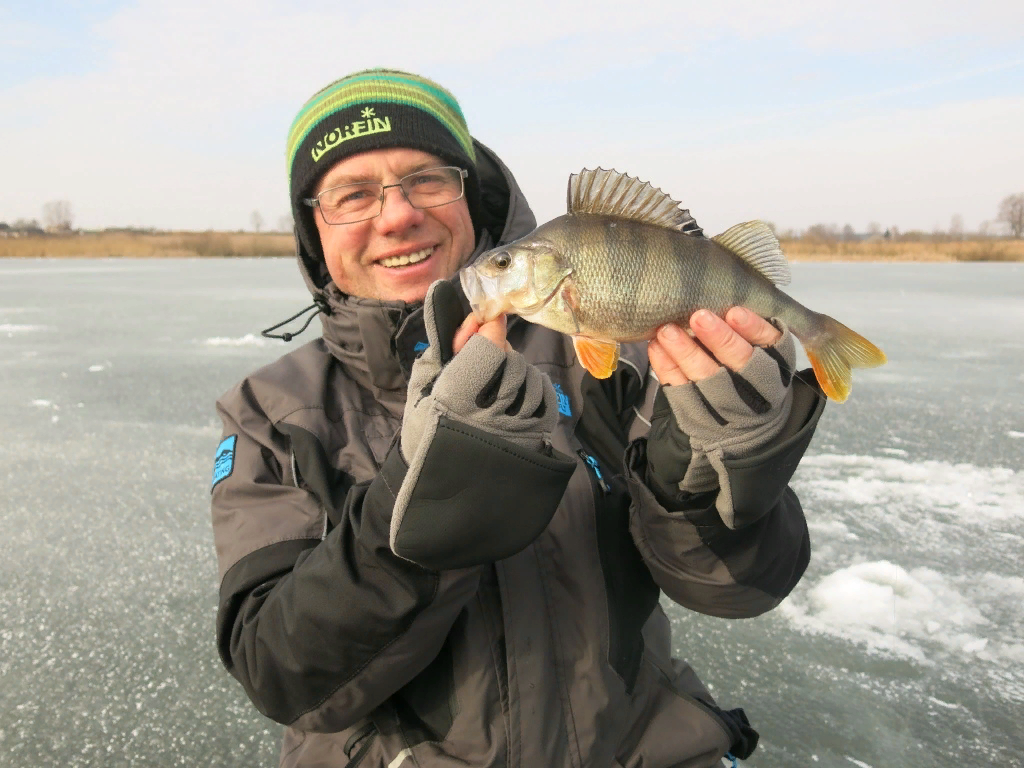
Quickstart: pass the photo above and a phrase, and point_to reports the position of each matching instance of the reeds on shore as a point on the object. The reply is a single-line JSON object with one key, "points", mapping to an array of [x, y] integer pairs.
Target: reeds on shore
{"points": [[975, 249], [145, 245]]}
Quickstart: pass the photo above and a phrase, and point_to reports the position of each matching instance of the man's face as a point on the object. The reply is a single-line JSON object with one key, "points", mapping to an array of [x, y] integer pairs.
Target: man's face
{"points": [[356, 253]]}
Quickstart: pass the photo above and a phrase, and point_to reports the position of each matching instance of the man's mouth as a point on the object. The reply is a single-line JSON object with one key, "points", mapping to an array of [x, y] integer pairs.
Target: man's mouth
{"points": [[406, 259]]}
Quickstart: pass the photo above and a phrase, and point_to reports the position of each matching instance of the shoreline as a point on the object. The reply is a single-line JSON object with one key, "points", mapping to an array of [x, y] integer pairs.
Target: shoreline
{"points": [[138, 245]]}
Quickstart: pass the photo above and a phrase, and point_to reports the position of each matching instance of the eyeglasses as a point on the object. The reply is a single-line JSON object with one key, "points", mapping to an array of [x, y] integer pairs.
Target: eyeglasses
{"points": [[364, 200]]}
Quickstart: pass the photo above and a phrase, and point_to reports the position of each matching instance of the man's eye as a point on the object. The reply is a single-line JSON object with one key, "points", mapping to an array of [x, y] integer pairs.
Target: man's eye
{"points": [[353, 197], [428, 178], [350, 198]]}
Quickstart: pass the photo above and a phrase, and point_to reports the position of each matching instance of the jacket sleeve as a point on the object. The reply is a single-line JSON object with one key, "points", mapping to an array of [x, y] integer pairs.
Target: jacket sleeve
{"points": [[319, 627], [693, 556]]}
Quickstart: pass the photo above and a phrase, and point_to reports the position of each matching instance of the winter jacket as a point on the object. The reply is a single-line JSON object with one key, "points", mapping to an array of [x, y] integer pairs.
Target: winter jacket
{"points": [[559, 655]]}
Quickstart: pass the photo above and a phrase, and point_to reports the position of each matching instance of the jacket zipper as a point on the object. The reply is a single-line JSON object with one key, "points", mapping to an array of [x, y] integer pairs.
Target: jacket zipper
{"points": [[595, 468]]}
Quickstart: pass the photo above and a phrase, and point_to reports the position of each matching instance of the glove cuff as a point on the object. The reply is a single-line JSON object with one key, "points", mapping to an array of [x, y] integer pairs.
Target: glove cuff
{"points": [[470, 497]]}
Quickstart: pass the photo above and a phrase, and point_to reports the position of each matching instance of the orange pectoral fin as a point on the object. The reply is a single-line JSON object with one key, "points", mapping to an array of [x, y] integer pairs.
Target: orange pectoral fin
{"points": [[597, 356]]}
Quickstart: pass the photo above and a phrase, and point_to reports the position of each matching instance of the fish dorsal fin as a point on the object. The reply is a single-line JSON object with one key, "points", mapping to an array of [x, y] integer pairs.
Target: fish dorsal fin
{"points": [[756, 244], [615, 194]]}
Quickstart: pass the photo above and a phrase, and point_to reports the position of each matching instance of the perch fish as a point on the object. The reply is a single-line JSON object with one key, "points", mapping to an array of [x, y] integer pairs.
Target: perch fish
{"points": [[627, 259]]}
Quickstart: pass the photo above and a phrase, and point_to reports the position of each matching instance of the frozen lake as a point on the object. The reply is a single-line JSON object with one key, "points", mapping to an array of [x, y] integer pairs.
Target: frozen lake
{"points": [[903, 645]]}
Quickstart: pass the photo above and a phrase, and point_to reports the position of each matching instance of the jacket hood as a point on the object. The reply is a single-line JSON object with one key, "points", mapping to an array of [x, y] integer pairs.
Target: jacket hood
{"points": [[378, 340]]}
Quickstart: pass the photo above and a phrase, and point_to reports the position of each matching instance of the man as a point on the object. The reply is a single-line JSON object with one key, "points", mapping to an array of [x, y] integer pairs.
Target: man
{"points": [[442, 543]]}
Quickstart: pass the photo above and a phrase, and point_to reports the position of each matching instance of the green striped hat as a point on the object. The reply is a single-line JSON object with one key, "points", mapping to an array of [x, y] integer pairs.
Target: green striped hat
{"points": [[374, 109], [320, 130]]}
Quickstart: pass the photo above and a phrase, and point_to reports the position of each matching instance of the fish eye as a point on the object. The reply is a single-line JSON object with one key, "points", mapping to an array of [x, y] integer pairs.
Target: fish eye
{"points": [[502, 261]]}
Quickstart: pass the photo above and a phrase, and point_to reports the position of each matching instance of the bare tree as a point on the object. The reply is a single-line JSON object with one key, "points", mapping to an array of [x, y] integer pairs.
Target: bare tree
{"points": [[956, 226], [849, 235], [285, 224], [257, 221], [874, 229], [1011, 213], [824, 232], [25, 225], [57, 216]]}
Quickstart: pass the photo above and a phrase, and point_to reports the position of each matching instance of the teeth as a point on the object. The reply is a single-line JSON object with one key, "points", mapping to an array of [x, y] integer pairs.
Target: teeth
{"points": [[409, 258]]}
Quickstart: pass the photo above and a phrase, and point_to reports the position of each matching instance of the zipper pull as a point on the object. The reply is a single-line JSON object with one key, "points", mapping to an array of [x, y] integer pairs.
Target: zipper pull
{"points": [[592, 463]]}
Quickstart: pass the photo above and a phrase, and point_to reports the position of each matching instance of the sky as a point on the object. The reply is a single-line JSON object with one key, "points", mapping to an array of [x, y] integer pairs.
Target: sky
{"points": [[174, 115]]}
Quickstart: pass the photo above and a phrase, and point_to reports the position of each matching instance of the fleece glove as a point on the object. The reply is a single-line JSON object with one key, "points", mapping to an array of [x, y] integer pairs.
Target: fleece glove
{"points": [[731, 415], [482, 479]]}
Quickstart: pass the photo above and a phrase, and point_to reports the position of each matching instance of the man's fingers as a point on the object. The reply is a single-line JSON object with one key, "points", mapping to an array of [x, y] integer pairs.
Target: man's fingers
{"points": [[728, 347], [686, 355], [469, 326], [493, 330], [755, 329], [664, 366]]}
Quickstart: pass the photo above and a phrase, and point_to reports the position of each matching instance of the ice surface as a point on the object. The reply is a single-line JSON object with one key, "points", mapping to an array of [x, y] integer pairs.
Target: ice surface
{"points": [[973, 495], [888, 608], [12, 328], [902, 646], [249, 340]]}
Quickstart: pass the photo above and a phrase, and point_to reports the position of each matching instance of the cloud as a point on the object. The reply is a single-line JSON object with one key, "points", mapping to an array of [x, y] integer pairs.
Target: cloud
{"points": [[179, 115]]}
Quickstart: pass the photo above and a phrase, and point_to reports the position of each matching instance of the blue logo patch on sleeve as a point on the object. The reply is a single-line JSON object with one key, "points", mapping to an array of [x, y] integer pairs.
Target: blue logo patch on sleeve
{"points": [[563, 401], [419, 346], [224, 460]]}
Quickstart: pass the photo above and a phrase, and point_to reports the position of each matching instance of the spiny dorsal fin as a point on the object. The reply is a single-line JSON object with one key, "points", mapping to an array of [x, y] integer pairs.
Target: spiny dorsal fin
{"points": [[615, 194], [756, 244]]}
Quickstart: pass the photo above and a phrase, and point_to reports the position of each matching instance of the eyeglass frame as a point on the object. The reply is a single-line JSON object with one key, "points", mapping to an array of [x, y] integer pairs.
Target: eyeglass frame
{"points": [[314, 202]]}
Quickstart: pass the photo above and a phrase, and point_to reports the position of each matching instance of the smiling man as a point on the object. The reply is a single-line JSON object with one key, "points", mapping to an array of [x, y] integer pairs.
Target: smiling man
{"points": [[444, 544]]}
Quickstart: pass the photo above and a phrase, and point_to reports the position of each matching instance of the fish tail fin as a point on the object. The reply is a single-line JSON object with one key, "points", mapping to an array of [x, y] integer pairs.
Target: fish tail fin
{"points": [[833, 351]]}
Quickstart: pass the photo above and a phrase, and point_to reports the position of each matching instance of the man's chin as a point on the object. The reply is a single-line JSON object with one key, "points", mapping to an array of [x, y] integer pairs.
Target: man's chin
{"points": [[410, 293]]}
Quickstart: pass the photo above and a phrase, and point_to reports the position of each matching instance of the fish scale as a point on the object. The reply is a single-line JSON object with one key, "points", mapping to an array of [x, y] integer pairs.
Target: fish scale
{"points": [[626, 259], [645, 276]]}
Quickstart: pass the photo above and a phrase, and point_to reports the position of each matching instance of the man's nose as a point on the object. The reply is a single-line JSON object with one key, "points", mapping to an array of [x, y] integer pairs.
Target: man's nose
{"points": [[398, 212]]}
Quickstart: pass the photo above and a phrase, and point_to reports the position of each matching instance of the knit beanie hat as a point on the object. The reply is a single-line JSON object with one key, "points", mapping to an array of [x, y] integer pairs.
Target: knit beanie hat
{"points": [[374, 109]]}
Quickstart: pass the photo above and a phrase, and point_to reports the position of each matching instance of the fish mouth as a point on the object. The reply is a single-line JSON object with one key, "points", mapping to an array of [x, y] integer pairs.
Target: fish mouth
{"points": [[482, 293]]}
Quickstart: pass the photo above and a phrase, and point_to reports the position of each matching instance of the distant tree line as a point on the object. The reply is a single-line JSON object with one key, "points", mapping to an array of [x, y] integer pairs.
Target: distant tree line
{"points": [[1010, 215], [58, 219]]}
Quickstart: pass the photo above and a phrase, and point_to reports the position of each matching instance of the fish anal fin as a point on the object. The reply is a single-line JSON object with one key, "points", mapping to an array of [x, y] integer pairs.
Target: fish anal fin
{"points": [[756, 244], [610, 193], [596, 355]]}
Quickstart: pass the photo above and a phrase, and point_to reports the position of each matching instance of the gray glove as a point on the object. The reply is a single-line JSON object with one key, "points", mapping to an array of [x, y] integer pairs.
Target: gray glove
{"points": [[732, 415], [484, 387]]}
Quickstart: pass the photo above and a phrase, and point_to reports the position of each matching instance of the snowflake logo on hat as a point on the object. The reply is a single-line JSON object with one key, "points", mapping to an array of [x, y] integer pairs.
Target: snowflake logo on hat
{"points": [[368, 112]]}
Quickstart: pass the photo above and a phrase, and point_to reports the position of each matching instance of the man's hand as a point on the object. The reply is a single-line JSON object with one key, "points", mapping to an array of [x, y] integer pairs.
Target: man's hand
{"points": [[730, 398], [678, 359], [482, 480]]}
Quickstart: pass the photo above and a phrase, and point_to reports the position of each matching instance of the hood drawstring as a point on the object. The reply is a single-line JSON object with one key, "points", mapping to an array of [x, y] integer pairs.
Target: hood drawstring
{"points": [[319, 304]]}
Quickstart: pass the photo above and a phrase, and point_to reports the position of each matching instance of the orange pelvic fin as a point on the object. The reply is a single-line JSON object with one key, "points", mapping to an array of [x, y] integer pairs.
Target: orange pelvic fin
{"points": [[597, 356], [834, 352]]}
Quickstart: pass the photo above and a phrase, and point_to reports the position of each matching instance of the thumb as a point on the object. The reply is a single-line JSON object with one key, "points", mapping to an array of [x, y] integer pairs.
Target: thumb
{"points": [[492, 330]]}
